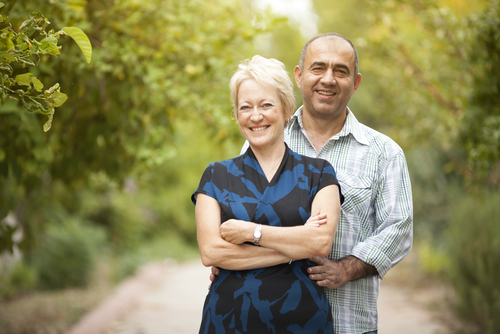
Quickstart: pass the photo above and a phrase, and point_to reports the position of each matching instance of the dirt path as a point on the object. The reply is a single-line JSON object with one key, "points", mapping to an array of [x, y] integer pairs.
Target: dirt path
{"points": [[168, 298]]}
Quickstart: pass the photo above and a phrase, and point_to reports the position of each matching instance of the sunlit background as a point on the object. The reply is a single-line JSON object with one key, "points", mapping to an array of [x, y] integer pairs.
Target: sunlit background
{"points": [[107, 189]]}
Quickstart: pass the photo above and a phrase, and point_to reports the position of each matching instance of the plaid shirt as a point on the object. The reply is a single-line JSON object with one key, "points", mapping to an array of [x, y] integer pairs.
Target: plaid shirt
{"points": [[376, 220]]}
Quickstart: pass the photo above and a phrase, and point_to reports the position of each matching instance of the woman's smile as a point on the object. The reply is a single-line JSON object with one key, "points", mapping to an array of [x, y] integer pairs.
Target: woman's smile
{"points": [[262, 128]]}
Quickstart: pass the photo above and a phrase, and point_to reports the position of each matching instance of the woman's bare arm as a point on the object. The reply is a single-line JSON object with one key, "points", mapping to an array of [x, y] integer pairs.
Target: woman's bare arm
{"points": [[297, 242], [215, 251]]}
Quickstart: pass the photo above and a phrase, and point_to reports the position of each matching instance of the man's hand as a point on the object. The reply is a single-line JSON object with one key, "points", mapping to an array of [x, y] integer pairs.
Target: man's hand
{"points": [[214, 272], [316, 219], [332, 274]]}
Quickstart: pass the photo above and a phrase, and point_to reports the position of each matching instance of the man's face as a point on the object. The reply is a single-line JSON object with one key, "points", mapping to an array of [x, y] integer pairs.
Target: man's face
{"points": [[327, 79]]}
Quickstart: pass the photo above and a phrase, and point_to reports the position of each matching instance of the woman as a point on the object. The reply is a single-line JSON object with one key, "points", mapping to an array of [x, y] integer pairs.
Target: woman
{"points": [[253, 217]]}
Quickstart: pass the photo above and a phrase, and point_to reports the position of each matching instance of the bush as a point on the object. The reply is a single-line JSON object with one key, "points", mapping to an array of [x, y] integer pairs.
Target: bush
{"points": [[122, 215], [67, 253], [474, 252], [168, 245], [19, 278]]}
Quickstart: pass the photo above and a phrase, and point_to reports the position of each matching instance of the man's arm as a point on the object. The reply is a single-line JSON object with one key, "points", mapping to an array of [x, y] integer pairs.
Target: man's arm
{"points": [[392, 237], [391, 240]]}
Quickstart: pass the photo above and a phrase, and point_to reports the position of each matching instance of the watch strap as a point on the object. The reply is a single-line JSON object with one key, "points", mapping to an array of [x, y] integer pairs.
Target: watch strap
{"points": [[257, 234]]}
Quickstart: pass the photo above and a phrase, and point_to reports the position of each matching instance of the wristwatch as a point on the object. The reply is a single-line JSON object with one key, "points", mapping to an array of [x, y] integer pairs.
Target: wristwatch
{"points": [[256, 234]]}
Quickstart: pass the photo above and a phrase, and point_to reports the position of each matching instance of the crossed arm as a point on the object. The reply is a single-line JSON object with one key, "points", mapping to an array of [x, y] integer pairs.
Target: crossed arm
{"points": [[223, 245]]}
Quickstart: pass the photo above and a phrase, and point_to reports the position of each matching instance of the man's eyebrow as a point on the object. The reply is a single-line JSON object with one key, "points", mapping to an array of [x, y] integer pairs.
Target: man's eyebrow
{"points": [[323, 64], [318, 63], [343, 66]]}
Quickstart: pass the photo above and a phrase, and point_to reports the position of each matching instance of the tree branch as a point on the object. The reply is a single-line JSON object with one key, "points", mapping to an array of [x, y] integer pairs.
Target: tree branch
{"points": [[430, 87]]}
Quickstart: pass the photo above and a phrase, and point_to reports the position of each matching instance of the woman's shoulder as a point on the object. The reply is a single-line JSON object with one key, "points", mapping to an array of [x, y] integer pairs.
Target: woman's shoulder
{"points": [[225, 163]]}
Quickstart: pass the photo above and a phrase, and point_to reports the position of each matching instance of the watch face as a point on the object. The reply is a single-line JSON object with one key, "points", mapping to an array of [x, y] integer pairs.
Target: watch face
{"points": [[257, 234]]}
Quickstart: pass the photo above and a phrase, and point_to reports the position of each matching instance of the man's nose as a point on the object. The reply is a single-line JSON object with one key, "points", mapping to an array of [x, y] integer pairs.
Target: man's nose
{"points": [[328, 78]]}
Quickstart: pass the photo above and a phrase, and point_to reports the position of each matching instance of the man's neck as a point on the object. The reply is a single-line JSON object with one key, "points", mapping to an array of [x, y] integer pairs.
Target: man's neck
{"points": [[321, 129]]}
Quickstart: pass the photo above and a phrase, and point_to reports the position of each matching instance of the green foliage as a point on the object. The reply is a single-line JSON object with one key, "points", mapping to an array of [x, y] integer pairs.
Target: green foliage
{"points": [[67, 253], [6, 233], [154, 63], [166, 246], [448, 70], [161, 203], [430, 188], [480, 130], [432, 261], [123, 216], [430, 72], [16, 279], [474, 250], [21, 49]]}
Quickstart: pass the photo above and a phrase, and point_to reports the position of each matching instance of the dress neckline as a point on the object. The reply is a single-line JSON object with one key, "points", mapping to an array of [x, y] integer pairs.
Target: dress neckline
{"points": [[277, 173]]}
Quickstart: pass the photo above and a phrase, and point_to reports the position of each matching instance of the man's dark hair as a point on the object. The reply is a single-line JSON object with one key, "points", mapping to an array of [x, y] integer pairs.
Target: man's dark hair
{"points": [[330, 34]]}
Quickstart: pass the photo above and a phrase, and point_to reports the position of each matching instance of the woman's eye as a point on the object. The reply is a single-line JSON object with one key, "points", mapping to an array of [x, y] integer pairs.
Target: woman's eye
{"points": [[268, 105], [244, 108]]}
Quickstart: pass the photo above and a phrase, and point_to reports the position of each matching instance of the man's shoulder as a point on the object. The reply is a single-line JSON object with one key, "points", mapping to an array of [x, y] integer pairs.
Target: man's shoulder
{"points": [[380, 143], [307, 160]]}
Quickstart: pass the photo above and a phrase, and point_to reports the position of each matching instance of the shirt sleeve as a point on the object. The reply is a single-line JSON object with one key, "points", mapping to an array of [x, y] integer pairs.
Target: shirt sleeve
{"points": [[392, 238], [206, 185]]}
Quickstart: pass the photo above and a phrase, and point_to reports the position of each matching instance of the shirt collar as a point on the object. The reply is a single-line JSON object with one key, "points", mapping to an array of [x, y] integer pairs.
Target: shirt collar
{"points": [[351, 126]]}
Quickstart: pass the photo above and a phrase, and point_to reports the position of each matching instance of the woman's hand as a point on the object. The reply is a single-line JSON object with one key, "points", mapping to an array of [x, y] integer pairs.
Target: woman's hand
{"points": [[316, 219], [237, 231]]}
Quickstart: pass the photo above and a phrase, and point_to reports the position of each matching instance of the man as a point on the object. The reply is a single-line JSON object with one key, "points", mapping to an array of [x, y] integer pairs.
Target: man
{"points": [[376, 223]]}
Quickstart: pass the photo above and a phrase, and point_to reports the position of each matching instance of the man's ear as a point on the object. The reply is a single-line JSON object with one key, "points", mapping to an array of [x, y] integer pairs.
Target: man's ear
{"points": [[357, 81], [297, 73]]}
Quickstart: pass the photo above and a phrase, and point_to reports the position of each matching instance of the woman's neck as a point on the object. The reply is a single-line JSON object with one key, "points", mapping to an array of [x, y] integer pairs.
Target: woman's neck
{"points": [[269, 158]]}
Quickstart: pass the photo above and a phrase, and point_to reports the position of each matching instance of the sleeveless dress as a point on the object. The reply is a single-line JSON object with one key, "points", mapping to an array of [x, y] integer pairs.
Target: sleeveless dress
{"points": [[281, 298]]}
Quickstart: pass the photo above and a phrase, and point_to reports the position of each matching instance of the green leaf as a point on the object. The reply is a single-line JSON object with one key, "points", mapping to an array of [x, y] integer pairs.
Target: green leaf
{"points": [[48, 124], [1, 4], [49, 45], [81, 39], [6, 40], [59, 98], [8, 56], [27, 79], [37, 83]]}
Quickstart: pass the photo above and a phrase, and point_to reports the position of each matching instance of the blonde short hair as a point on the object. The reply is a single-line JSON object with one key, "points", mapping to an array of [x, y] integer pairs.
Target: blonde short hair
{"points": [[269, 72]]}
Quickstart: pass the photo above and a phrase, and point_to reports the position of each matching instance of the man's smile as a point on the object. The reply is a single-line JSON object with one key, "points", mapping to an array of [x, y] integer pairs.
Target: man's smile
{"points": [[324, 92]]}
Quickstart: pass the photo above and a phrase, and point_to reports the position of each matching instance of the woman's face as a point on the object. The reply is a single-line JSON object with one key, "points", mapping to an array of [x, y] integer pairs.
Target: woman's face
{"points": [[260, 115]]}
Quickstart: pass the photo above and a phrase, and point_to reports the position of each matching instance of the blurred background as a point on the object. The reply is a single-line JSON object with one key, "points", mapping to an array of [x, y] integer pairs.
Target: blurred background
{"points": [[107, 189]]}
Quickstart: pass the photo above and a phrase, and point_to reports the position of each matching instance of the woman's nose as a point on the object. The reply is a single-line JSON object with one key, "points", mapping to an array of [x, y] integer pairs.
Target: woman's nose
{"points": [[256, 114]]}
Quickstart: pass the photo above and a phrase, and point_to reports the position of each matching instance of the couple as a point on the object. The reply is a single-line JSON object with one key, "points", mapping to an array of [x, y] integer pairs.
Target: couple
{"points": [[269, 217]]}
